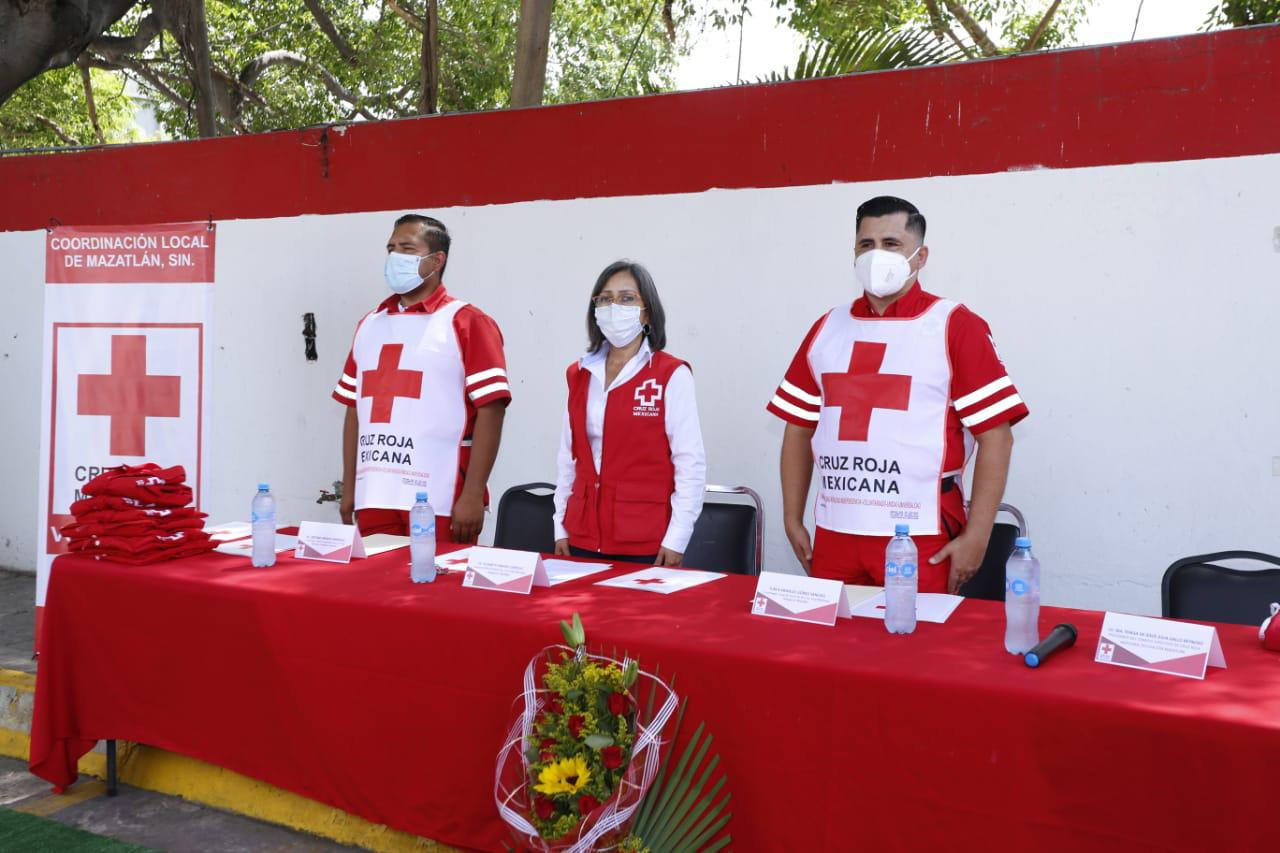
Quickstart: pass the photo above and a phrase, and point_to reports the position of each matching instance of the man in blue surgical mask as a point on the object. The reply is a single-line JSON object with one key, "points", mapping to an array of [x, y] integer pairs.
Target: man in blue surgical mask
{"points": [[426, 388], [887, 397]]}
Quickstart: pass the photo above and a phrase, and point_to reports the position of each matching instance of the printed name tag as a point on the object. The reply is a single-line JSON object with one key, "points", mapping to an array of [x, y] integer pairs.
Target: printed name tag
{"points": [[504, 570], [330, 543], [1159, 645], [800, 598]]}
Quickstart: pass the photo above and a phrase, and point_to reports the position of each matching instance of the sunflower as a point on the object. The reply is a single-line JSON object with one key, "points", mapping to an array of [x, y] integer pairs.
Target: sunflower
{"points": [[566, 776]]}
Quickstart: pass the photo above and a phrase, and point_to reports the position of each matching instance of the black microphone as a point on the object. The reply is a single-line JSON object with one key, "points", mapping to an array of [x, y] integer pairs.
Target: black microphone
{"points": [[1061, 637]]}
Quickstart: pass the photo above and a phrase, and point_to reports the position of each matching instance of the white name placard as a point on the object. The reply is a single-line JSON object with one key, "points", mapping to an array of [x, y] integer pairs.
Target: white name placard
{"points": [[1159, 645], [504, 570], [800, 598], [329, 543]]}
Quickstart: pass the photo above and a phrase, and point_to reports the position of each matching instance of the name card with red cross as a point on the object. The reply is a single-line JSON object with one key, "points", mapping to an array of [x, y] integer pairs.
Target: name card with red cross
{"points": [[504, 570], [662, 580], [126, 361]]}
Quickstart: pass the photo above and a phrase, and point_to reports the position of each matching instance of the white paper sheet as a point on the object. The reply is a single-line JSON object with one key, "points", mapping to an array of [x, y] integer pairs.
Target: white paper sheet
{"points": [[244, 547], [563, 571], [454, 561], [662, 581], [379, 543], [930, 606]]}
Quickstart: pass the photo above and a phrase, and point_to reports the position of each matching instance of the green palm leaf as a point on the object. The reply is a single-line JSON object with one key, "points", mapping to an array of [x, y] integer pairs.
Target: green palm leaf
{"points": [[868, 51], [680, 814]]}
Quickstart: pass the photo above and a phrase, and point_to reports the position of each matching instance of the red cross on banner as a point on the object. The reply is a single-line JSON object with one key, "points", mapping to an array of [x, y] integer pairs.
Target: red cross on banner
{"points": [[863, 389], [128, 396], [387, 382]]}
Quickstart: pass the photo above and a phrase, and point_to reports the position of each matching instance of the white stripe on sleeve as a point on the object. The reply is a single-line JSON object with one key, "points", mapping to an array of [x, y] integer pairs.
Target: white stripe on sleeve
{"points": [[802, 396], [486, 374], [983, 393], [489, 389], [793, 410], [343, 392], [991, 411]]}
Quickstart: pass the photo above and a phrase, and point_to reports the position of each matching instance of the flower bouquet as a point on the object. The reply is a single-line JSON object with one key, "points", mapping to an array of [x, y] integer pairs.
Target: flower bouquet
{"points": [[586, 747]]}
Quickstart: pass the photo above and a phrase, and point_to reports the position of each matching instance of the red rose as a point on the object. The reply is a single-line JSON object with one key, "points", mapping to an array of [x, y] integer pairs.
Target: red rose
{"points": [[587, 804], [544, 807], [547, 743], [547, 755], [553, 704], [617, 704], [575, 725], [611, 757]]}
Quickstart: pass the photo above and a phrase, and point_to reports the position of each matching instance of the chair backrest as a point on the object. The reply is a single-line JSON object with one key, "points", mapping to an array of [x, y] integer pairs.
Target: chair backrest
{"points": [[728, 537], [524, 518], [1195, 588], [988, 583]]}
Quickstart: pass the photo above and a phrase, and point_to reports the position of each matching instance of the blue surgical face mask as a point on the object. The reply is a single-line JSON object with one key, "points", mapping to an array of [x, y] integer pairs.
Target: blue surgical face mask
{"points": [[401, 272]]}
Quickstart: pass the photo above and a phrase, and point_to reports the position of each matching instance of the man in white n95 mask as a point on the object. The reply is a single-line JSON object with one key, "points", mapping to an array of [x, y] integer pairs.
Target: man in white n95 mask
{"points": [[426, 388], [887, 397]]}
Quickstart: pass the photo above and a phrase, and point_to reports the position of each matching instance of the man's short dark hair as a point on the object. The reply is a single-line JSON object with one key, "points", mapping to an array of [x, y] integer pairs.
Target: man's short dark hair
{"points": [[657, 326], [434, 234], [887, 205]]}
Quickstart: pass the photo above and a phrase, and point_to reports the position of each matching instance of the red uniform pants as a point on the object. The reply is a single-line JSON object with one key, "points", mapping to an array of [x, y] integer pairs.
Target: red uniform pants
{"points": [[857, 559], [396, 523]]}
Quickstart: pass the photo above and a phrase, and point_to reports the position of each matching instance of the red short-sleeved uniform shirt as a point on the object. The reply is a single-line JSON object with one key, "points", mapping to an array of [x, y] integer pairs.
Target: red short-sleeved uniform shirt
{"points": [[983, 396], [482, 354]]}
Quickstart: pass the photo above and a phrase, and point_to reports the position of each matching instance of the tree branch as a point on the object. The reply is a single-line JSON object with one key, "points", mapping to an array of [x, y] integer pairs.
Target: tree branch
{"points": [[979, 35], [1038, 33], [941, 30], [255, 69], [36, 37], [429, 94], [410, 18], [53, 125], [113, 46], [326, 26], [87, 82], [152, 79]]}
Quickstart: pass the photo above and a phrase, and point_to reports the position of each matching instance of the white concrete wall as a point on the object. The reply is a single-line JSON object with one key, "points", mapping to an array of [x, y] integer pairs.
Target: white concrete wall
{"points": [[1135, 307]]}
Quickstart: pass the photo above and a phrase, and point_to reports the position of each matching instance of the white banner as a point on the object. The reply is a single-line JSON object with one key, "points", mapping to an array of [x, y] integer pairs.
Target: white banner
{"points": [[125, 373]]}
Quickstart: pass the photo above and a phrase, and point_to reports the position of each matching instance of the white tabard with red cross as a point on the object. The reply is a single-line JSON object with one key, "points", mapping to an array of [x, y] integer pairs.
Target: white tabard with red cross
{"points": [[411, 406], [878, 446]]}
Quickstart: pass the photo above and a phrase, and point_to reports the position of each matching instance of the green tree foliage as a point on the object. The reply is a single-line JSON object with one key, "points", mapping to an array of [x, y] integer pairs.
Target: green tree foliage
{"points": [[52, 111], [1243, 13], [284, 64]]}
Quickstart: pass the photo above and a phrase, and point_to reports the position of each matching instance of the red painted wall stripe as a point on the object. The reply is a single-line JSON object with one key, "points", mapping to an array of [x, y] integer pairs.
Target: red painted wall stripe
{"points": [[1195, 97]]}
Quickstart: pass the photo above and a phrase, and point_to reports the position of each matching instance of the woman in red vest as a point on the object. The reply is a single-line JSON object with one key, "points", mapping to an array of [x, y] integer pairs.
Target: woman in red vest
{"points": [[632, 469]]}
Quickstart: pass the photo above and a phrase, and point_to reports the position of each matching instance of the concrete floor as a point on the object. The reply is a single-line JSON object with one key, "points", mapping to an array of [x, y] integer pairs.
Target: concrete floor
{"points": [[149, 820], [17, 620]]}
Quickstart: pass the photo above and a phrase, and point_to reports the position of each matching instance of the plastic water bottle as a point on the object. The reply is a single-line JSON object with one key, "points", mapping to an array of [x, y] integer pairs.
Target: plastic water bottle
{"points": [[422, 541], [901, 580], [263, 516], [1021, 599]]}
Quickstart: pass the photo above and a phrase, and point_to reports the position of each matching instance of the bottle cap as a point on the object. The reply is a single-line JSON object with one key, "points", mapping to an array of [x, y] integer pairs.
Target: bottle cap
{"points": [[422, 496], [1021, 542], [901, 529], [264, 487], [1032, 659]]}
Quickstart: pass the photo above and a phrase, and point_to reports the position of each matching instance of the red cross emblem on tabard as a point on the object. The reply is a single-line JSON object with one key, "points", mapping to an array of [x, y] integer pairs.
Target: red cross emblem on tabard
{"points": [[387, 382], [863, 389], [128, 396]]}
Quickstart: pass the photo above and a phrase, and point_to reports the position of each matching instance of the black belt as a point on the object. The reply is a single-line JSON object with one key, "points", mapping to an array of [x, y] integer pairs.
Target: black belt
{"points": [[948, 483]]}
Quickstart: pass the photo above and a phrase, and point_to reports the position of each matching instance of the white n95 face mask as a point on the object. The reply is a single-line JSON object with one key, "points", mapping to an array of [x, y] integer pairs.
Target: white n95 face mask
{"points": [[620, 324], [401, 272], [881, 272]]}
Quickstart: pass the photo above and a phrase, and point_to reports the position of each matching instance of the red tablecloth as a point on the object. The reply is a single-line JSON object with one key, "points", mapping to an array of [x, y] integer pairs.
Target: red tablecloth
{"points": [[355, 687]]}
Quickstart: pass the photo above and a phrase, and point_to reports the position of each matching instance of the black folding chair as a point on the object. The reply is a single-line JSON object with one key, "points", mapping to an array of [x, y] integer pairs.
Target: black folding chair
{"points": [[524, 518], [728, 537], [1196, 588], [988, 583]]}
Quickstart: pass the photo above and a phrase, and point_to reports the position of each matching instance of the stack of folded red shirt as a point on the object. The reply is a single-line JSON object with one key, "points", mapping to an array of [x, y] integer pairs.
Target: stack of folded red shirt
{"points": [[138, 515]]}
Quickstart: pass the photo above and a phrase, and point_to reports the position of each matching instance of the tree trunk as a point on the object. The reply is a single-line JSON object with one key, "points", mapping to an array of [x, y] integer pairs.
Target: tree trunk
{"points": [[196, 27], [38, 35], [530, 78], [428, 100]]}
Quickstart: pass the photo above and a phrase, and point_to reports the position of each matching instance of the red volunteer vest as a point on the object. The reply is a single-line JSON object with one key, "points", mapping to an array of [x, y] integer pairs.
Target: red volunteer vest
{"points": [[626, 506]]}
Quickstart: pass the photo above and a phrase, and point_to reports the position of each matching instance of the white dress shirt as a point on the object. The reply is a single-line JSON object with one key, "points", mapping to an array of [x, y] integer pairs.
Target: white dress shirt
{"points": [[684, 434]]}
